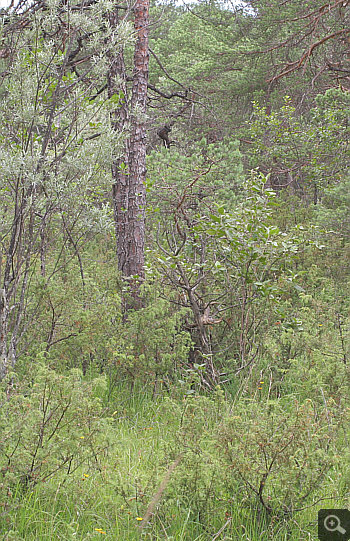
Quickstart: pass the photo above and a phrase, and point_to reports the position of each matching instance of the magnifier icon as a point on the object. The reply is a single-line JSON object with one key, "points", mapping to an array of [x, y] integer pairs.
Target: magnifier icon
{"points": [[332, 524]]}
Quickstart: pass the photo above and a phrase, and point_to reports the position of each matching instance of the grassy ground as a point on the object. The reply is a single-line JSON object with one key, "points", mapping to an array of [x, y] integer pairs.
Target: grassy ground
{"points": [[107, 498]]}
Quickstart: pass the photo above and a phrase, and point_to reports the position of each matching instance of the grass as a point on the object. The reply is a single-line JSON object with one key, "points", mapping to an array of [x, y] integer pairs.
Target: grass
{"points": [[104, 500], [42, 519]]}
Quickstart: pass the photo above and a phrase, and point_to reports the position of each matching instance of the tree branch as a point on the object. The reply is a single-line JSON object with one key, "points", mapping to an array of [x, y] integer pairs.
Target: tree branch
{"points": [[182, 95], [165, 71]]}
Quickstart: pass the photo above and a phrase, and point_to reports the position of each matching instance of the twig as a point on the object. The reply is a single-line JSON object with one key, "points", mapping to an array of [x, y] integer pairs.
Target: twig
{"points": [[182, 95], [165, 71], [156, 498], [222, 529]]}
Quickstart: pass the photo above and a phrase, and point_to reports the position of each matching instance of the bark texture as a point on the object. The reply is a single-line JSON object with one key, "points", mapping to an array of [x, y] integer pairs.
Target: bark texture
{"points": [[129, 171]]}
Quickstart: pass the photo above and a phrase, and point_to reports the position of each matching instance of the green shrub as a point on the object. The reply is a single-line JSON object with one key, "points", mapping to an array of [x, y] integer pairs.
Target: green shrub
{"points": [[49, 427], [280, 452]]}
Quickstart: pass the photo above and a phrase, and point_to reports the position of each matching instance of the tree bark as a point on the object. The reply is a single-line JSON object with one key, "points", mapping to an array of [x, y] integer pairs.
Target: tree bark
{"points": [[129, 171]]}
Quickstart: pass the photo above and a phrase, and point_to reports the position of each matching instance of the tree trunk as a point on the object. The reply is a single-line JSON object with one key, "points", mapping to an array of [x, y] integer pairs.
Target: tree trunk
{"points": [[129, 171], [4, 317], [16, 275]]}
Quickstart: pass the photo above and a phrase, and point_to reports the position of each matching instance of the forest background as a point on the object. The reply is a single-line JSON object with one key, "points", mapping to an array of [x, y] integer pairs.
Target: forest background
{"points": [[174, 357]]}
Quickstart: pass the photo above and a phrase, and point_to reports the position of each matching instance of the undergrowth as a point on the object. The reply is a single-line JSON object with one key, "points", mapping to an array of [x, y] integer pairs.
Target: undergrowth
{"points": [[172, 466]]}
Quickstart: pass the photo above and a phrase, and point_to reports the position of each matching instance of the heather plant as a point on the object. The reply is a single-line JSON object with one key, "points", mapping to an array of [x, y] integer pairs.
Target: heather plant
{"points": [[79, 333], [153, 345]]}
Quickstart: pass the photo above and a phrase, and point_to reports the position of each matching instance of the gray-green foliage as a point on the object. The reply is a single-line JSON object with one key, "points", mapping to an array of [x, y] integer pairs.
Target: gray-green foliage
{"points": [[57, 147]]}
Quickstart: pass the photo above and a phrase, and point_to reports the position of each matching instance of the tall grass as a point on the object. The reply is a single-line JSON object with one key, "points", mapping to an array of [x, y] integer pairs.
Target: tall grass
{"points": [[108, 500]]}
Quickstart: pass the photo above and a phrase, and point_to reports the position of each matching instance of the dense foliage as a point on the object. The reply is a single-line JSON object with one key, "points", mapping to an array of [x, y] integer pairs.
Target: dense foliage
{"points": [[219, 408]]}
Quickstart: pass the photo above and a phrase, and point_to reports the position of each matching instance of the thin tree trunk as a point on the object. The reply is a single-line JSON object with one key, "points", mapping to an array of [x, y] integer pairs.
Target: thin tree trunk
{"points": [[4, 317], [8, 290], [117, 84], [16, 273]]}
